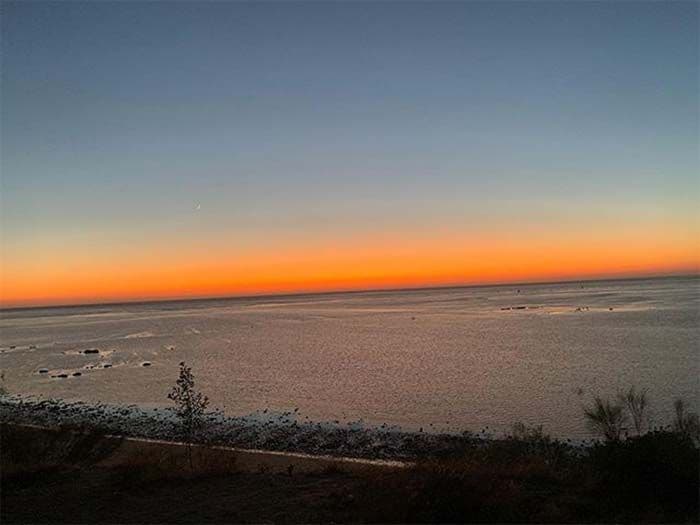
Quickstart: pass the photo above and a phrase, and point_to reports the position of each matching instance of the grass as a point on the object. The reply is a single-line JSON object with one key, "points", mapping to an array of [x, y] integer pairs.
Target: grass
{"points": [[65, 476], [636, 404], [28, 451], [62, 476], [534, 479], [606, 418]]}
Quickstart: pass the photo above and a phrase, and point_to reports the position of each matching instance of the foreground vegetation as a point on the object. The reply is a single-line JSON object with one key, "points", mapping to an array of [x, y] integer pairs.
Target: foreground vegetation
{"points": [[531, 478], [635, 473], [66, 477]]}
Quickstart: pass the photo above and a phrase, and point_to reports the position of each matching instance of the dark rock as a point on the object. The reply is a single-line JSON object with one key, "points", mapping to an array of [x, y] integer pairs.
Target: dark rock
{"points": [[77, 374], [146, 364], [91, 351]]}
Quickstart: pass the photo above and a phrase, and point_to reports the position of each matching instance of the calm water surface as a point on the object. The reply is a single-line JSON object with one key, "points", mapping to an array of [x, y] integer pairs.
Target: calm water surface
{"points": [[447, 359]]}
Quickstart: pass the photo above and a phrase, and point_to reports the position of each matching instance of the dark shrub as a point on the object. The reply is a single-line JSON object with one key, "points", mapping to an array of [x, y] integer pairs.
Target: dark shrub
{"points": [[658, 470]]}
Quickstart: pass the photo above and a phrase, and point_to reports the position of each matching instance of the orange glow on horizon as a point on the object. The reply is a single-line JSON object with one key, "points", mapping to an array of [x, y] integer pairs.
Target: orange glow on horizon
{"points": [[368, 263]]}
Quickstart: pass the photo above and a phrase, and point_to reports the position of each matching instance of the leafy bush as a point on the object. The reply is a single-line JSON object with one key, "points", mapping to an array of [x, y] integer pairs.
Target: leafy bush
{"points": [[657, 471], [530, 477]]}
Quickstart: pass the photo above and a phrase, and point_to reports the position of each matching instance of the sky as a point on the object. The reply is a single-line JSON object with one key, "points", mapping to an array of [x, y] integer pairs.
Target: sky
{"points": [[177, 149]]}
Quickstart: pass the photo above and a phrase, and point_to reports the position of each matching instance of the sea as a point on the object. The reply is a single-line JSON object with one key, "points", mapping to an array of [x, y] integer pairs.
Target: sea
{"points": [[478, 358]]}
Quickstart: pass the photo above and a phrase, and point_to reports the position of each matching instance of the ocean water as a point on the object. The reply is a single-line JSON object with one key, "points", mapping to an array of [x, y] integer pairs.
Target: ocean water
{"points": [[441, 359]]}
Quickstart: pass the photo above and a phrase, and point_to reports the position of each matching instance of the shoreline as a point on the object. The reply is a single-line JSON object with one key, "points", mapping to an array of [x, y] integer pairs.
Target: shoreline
{"points": [[280, 432], [277, 433]]}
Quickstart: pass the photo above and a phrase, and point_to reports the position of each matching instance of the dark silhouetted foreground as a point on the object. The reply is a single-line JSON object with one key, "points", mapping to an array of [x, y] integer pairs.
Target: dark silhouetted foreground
{"points": [[64, 477]]}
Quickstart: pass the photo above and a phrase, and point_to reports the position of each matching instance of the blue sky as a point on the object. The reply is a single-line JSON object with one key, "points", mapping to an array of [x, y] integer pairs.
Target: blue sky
{"points": [[119, 118]]}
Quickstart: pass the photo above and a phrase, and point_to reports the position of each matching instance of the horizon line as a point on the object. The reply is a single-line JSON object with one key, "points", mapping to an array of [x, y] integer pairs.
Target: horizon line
{"points": [[349, 291]]}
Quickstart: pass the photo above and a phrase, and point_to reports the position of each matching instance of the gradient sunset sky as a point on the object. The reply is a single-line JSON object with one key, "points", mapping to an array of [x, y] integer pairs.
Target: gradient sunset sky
{"points": [[161, 150]]}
